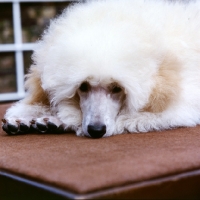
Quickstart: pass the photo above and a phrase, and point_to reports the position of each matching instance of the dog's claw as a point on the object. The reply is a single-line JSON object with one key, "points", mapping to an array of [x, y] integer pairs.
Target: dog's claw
{"points": [[46, 119], [32, 121], [4, 121]]}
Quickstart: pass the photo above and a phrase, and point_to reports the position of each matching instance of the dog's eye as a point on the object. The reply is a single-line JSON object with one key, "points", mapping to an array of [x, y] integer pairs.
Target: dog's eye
{"points": [[84, 87], [116, 89]]}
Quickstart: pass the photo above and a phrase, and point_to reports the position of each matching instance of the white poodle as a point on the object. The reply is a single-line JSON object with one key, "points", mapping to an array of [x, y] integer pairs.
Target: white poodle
{"points": [[112, 66]]}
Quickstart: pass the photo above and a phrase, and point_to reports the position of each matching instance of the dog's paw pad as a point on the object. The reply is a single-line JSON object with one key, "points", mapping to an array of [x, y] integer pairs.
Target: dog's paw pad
{"points": [[38, 126], [12, 128], [6, 126], [51, 126], [60, 129], [42, 128], [9, 128], [23, 127]]}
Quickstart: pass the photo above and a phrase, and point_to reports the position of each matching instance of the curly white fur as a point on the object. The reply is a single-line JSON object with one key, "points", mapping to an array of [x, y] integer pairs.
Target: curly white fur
{"points": [[149, 48]]}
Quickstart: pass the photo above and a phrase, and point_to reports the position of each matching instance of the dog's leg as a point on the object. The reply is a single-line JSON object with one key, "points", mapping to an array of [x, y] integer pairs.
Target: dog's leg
{"points": [[21, 118], [142, 123], [34, 112]]}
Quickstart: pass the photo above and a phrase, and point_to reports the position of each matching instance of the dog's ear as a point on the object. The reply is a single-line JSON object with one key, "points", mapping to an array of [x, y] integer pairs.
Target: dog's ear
{"points": [[167, 86], [34, 88]]}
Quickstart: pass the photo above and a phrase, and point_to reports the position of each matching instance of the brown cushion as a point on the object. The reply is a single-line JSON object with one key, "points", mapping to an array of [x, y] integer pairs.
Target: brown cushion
{"points": [[117, 164]]}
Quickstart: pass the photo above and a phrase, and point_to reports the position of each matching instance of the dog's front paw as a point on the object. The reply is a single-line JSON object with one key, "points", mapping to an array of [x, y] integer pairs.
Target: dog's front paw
{"points": [[47, 125], [143, 123], [15, 126]]}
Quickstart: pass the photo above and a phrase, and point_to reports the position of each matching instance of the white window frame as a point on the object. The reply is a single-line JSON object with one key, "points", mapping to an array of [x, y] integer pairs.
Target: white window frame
{"points": [[18, 47]]}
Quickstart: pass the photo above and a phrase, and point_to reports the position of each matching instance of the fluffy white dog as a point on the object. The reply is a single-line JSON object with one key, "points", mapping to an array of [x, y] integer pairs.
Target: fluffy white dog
{"points": [[113, 66]]}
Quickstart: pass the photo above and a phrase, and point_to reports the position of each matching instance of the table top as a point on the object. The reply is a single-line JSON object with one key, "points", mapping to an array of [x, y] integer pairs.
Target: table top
{"points": [[85, 166]]}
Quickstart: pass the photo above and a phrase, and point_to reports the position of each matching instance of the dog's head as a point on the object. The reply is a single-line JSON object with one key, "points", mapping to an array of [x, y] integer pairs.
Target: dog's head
{"points": [[100, 105]]}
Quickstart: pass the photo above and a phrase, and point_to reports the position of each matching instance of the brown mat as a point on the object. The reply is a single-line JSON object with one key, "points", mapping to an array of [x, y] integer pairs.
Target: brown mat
{"points": [[83, 165]]}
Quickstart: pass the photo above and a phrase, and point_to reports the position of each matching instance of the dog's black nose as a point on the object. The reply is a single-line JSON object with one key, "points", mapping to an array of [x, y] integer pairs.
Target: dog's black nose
{"points": [[96, 131]]}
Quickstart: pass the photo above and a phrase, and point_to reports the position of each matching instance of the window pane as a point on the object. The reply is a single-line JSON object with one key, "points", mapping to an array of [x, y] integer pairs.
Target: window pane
{"points": [[27, 60], [6, 23], [36, 17], [7, 73]]}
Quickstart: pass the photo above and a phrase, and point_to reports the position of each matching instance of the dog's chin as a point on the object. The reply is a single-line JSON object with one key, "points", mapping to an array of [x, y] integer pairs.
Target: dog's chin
{"points": [[96, 137], [107, 134], [86, 134]]}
